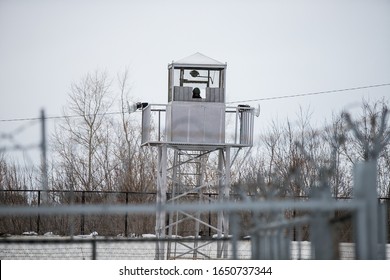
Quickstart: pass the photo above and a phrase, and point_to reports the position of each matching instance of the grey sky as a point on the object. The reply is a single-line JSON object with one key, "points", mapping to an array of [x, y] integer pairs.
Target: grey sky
{"points": [[272, 48]]}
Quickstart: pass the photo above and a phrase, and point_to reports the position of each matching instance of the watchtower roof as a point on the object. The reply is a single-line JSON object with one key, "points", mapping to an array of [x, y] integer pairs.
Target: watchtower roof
{"points": [[198, 60]]}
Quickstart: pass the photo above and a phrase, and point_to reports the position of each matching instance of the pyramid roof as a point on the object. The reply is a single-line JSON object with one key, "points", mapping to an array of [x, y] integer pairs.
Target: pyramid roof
{"points": [[199, 60]]}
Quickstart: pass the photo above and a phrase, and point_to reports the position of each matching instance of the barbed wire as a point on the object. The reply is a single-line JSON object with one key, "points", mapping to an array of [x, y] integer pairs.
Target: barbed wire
{"points": [[11, 137]]}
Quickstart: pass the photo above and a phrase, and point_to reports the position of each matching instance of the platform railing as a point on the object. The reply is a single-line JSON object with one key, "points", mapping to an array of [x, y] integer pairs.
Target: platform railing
{"points": [[154, 117]]}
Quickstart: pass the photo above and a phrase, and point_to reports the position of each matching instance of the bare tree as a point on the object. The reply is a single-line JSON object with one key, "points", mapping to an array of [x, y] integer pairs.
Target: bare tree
{"points": [[82, 137], [334, 138]]}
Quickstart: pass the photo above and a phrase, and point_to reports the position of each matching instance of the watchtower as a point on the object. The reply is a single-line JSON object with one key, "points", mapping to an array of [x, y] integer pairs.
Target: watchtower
{"points": [[192, 131]]}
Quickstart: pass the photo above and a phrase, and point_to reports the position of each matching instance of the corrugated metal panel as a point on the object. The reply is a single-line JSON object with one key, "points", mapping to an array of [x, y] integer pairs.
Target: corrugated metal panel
{"points": [[246, 127], [201, 122], [182, 93], [146, 129], [215, 95]]}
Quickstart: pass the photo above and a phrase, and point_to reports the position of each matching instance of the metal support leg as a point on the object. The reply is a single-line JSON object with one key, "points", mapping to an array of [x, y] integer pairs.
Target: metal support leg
{"points": [[226, 193], [220, 198], [161, 200]]}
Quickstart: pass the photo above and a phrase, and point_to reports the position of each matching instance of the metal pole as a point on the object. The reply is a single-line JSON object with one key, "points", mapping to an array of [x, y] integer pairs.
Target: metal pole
{"points": [[382, 230], [159, 126], [234, 221], [220, 198], [126, 216], [209, 216], [200, 171], [82, 215], [161, 200], [94, 251], [226, 192], [365, 180], [44, 158], [39, 216], [172, 199]]}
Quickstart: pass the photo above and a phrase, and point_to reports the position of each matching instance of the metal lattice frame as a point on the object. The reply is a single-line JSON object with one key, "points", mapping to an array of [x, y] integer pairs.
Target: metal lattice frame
{"points": [[186, 176]]}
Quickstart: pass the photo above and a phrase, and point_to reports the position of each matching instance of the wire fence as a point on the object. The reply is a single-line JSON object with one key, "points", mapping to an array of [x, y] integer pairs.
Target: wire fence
{"points": [[128, 224], [94, 225]]}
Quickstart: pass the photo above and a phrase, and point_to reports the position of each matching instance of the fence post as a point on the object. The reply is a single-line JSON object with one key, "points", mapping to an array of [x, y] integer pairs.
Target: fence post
{"points": [[382, 238], [127, 201], [39, 216], [366, 221], [82, 215], [94, 251], [321, 230]]}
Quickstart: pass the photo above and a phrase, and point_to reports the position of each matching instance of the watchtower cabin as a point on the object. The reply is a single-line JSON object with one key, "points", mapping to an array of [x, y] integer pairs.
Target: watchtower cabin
{"points": [[189, 132], [196, 101]]}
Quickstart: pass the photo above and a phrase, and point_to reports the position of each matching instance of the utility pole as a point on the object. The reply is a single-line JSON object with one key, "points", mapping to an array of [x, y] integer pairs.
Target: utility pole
{"points": [[44, 158]]}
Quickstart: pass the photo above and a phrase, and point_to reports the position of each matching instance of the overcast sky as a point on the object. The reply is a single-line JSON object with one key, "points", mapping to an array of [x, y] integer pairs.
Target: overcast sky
{"points": [[272, 48]]}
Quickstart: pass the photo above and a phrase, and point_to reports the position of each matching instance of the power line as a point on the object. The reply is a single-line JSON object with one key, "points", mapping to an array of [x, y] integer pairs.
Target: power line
{"points": [[310, 93], [241, 101], [56, 117]]}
